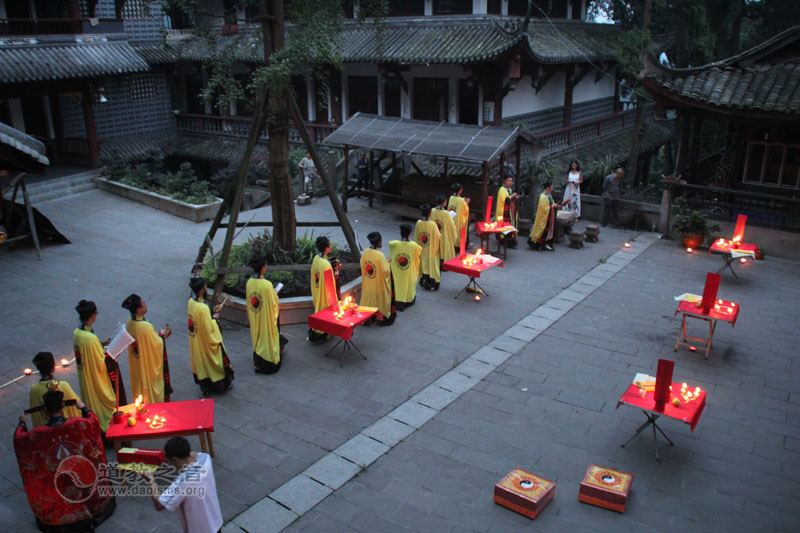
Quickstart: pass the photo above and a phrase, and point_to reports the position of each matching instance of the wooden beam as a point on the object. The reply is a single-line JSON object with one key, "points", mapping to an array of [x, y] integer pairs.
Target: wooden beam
{"points": [[698, 124], [371, 180], [542, 76], [298, 224], [91, 128], [446, 161], [344, 177], [485, 184], [518, 165]]}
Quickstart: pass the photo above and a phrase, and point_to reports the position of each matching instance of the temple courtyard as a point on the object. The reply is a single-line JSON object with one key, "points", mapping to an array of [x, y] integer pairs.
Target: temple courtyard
{"points": [[451, 397]]}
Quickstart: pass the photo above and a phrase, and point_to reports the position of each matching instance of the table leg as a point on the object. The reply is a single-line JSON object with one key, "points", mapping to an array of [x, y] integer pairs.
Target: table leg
{"points": [[651, 419], [353, 346], [729, 264], [211, 443], [117, 445], [681, 333], [334, 347], [202, 436], [711, 324]]}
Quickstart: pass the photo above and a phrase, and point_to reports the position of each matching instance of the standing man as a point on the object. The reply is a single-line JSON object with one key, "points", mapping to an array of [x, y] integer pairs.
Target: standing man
{"points": [[210, 364], [193, 494], [376, 281], [362, 167], [506, 210], [97, 372], [310, 175], [447, 227], [46, 365], [427, 235], [319, 293], [147, 356], [404, 258], [611, 196], [541, 237], [262, 312], [461, 206]]}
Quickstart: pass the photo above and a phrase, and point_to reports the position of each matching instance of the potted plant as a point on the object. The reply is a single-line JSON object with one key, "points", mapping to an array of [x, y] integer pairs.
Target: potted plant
{"points": [[691, 224]]}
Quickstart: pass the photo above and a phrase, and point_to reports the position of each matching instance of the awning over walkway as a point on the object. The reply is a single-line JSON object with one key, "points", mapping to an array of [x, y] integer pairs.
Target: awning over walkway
{"points": [[19, 151], [455, 141]]}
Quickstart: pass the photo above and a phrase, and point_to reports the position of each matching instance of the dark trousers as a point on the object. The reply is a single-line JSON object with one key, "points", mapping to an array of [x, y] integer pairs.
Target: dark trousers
{"points": [[611, 210]]}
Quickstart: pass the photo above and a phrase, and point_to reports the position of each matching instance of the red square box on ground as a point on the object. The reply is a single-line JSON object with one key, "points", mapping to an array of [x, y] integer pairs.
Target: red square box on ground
{"points": [[605, 487], [524, 492]]}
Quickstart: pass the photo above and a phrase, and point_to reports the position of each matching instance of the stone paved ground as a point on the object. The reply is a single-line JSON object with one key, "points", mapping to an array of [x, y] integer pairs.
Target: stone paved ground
{"points": [[551, 409], [269, 429]]}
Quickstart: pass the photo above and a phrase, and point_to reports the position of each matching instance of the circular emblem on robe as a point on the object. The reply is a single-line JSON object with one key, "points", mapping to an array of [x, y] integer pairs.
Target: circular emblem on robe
{"points": [[424, 238], [255, 302], [75, 479], [439, 225], [316, 279], [77, 355], [403, 261], [369, 269], [191, 326]]}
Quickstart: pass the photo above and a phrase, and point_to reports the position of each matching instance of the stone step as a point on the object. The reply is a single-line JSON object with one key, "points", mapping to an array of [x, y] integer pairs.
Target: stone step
{"points": [[62, 192], [41, 191]]}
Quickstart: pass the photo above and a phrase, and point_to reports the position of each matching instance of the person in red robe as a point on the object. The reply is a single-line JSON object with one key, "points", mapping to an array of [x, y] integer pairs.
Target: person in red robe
{"points": [[64, 469]]}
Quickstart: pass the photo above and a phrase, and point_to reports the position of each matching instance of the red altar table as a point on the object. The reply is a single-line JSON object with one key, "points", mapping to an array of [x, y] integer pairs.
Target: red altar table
{"points": [[729, 253], [192, 417], [721, 310], [687, 412], [472, 266], [486, 229], [326, 321]]}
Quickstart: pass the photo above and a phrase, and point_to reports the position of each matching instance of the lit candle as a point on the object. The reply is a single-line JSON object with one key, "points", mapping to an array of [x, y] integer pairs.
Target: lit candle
{"points": [[627, 245], [28, 371], [743, 260], [688, 250], [684, 385], [477, 298], [733, 304], [64, 362]]}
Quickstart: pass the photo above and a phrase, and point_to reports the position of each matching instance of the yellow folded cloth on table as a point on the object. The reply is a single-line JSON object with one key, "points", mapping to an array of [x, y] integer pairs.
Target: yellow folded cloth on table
{"points": [[742, 253], [689, 297], [365, 309], [137, 467]]}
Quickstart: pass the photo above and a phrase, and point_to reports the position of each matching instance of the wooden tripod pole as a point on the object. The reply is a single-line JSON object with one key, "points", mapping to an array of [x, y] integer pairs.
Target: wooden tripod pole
{"points": [[347, 229]]}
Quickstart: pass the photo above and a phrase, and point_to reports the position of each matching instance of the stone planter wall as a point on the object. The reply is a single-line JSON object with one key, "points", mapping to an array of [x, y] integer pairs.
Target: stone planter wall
{"points": [[292, 310], [592, 209], [195, 213]]}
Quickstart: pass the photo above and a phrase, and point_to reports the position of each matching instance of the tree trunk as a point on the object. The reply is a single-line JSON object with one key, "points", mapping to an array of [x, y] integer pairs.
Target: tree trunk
{"points": [[638, 123], [280, 181]]}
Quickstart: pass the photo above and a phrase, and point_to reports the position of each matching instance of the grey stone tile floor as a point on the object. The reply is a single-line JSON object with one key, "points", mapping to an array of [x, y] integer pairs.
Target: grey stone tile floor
{"points": [[737, 471]]}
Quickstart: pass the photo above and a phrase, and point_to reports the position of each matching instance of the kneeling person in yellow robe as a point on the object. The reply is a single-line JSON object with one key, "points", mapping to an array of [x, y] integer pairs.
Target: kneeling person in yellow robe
{"points": [[46, 365], [428, 237], [319, 293], [210, 364], [98, 374], [404, 258], [263, 314], [377, 288], [147, 356], [447, 227]]}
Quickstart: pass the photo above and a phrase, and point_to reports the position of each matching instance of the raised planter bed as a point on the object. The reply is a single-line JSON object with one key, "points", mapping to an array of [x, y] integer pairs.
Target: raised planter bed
{"points": [[292, 310], [195, 213]]}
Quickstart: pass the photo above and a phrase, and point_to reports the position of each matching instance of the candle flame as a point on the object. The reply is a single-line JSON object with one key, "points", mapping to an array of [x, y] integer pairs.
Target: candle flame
{"points": [[743, 260], [627, 245], [689, 250], [28, 371], [64, 362]]}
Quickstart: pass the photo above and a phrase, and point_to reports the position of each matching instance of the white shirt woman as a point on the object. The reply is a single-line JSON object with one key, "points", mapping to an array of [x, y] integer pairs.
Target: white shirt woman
{"points": [[572, 190]]}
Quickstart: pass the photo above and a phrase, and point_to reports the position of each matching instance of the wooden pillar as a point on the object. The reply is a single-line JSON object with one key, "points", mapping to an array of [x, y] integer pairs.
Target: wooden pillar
{"points": [[371, 181], [683, 145], [646, 167], [485, 181], [698, 124], [394, 179], [568, 102], [668, 160], [75, 10], [446, 162], [617, 102], [518, 165], [91, 128], [344, 177], [502, 168]]}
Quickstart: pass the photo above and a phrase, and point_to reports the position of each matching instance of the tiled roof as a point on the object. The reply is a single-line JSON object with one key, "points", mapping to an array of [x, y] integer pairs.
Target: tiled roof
{"points": [[24, 60], [455, 40], [763, 80], [156, 54]]}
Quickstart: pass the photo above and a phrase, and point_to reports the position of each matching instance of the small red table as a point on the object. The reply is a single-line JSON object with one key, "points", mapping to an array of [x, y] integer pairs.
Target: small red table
{"points": [[485, 233], [721, 310], [473, 270], [192, 417], [728, 253], [325, 321], [688, 413]]}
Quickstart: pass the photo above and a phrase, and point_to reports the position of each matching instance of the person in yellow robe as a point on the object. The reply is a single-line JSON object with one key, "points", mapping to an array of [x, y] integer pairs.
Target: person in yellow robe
{"points": [[46, 365], [506, 210], [263, 314], [447, 228], [319, 293], [541, 237], [210, 364], [97, 372], [147, 356], [377, 288], [460, 205], [427, 235], [404, 258]]}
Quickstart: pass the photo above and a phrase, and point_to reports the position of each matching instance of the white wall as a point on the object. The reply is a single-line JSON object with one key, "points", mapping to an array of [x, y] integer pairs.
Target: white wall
{"points": [[587, 89], [479, 7], [524, 99]]}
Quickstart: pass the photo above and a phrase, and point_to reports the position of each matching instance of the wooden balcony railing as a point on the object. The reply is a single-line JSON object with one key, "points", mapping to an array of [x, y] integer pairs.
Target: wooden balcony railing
{"points": [[240, 127], [575, 134]]}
